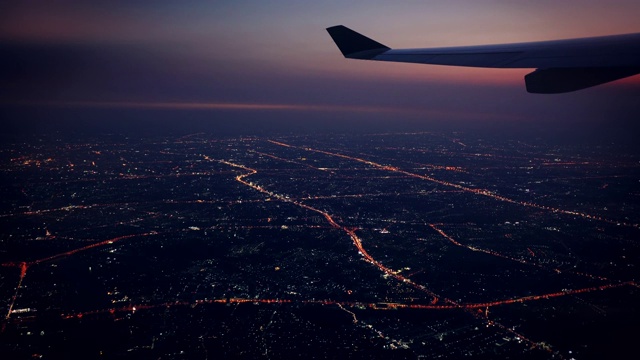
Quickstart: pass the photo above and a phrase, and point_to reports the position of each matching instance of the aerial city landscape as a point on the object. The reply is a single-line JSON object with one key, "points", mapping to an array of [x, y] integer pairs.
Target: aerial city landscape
{"points": [[421, 245], [236, 180]]}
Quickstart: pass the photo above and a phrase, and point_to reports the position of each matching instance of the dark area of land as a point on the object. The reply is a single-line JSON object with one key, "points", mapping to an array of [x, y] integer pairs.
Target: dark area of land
{"points": [[360, 245]]}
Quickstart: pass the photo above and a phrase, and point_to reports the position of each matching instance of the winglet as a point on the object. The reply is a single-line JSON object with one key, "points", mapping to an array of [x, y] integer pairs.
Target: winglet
{"points": [[354, 45]]}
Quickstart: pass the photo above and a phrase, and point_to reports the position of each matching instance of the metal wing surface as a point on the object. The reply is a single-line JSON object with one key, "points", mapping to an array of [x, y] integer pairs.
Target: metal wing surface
{"points": [[561, 65]]}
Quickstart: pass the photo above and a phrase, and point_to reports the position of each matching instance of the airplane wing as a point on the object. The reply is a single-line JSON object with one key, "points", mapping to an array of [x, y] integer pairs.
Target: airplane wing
{"points": [[561, 65]]}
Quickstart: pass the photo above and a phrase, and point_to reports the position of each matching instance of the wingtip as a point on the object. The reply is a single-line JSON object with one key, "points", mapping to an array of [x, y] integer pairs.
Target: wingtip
{"points": [[354, 45], [335, 26]]}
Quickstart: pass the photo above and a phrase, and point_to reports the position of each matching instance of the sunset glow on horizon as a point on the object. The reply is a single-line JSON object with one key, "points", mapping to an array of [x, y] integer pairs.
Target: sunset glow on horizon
{"points": [[253, 57]]}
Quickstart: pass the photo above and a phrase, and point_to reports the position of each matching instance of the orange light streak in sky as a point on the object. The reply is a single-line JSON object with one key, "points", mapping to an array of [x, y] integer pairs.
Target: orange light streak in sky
{"points": [[235, 106]]}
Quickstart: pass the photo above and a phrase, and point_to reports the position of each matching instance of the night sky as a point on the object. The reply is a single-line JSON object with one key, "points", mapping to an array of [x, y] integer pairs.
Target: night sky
{"points": [[272, 64]]}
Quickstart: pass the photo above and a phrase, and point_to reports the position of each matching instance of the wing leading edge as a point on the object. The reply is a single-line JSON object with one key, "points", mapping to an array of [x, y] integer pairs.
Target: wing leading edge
{"points": [[561, 65]]}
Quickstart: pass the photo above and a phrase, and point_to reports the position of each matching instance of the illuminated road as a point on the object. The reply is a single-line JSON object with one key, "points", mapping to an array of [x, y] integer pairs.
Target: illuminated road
{"points": [[447, 303], [381, 306], [521, 261], [351, 232], [23, 273], [351, 304], [236, 168], [482, 192], [24, 266]]}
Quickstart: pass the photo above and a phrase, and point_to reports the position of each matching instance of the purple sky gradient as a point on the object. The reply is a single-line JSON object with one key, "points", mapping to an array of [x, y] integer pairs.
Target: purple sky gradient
{"points": [[278, 53]]}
